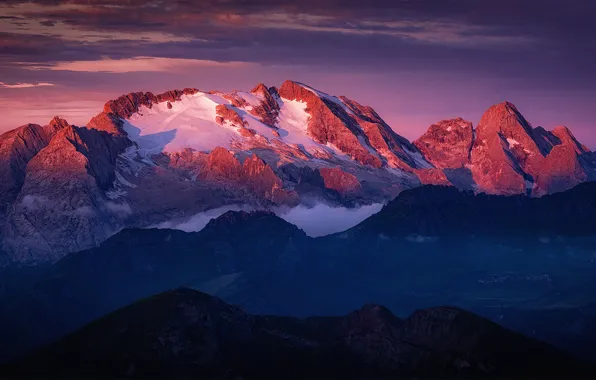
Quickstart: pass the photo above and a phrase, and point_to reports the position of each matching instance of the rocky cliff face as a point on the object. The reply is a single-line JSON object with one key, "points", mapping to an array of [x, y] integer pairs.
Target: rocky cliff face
{"points": [[268, 108], [62, 205], [330, 123], [17, 148], [447, 144], [506, 155], [340, 181]]}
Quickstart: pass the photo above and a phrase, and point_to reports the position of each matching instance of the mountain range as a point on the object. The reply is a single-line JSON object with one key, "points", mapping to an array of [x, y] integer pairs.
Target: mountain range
{"points": [[188, 334], [148, 159], [523, 262]]}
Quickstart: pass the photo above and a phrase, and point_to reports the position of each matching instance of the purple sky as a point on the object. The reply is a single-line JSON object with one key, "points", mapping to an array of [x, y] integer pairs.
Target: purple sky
{"points": [[415, 62]]}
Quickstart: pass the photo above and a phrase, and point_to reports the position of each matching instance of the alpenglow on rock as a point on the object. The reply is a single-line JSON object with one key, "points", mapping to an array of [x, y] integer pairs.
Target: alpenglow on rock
{"points": [[146, 159]]}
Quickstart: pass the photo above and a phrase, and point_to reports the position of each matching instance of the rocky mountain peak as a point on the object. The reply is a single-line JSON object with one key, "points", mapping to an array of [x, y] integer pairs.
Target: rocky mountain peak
{"points": [[260, 89], [505, 120], [57, 122], [505, 152], [221, 164], [330, 123], [268, 109], [249, 224], [566, 137], [447, 144], [17, 148], [371, 318]]}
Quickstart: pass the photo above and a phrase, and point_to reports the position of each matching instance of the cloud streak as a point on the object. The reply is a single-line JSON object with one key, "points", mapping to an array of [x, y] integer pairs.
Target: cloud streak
{"points": [[29, 19], [440, 32], [25, 85], [134, 64]]}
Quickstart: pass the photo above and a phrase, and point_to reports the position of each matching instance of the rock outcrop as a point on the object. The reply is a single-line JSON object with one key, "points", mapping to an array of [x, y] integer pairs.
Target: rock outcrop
{"points": [[268, 110], [330, 123], [395, 149], [126, 105], [340, 181], [229, 115], [17, 148], [447, 144], [506, 155], [253, 174], [62, 206]]}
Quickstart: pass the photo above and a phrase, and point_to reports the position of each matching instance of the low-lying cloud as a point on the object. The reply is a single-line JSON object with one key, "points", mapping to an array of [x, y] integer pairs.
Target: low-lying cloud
{"points": [[322, 219], [318, 220], [198, 221]]}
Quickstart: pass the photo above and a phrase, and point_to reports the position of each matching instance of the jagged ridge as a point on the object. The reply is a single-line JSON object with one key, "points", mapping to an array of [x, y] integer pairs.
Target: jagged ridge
{"points": [[267, 147]]}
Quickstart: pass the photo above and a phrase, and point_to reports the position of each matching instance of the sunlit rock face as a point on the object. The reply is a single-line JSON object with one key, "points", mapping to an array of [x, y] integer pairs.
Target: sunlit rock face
{"points": [[447, 144], [147, 159], [510, 157]]}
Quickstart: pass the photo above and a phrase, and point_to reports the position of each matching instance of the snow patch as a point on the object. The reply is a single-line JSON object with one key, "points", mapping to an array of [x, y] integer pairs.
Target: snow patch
{"points": [[512, 142], [399, 172], [123, 180], [368, 147], [328, 97], [419, 160], [190, 123], [293, 126], [115, 194], [249, 98]]}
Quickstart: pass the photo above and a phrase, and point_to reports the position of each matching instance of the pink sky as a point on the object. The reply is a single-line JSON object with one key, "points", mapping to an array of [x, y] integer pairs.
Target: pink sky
{"points": [[409, 102]]}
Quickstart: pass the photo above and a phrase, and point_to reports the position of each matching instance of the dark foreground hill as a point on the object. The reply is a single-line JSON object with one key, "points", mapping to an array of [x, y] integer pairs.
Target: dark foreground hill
{"points": [[189, 334]]}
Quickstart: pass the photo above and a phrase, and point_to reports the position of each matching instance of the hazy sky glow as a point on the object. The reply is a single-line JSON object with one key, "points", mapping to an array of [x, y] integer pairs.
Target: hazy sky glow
{"points": [[415, 62]]}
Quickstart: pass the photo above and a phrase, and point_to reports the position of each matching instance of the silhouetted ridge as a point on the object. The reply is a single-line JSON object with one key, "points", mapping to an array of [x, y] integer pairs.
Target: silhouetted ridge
{"points": [[250, 224], [448, 212], [185, 333]]}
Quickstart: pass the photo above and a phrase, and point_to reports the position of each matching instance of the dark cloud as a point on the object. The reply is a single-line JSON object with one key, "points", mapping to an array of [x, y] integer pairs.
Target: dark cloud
{"points": [[540, 38]]}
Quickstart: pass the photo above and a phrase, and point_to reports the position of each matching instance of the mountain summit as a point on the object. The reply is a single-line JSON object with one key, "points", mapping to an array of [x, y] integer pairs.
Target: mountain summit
{"points": [[147, 158]]}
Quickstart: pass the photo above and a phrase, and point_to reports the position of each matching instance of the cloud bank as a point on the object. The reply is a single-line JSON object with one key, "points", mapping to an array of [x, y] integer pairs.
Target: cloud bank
{"points": [[323, 220], [315, 221]]}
